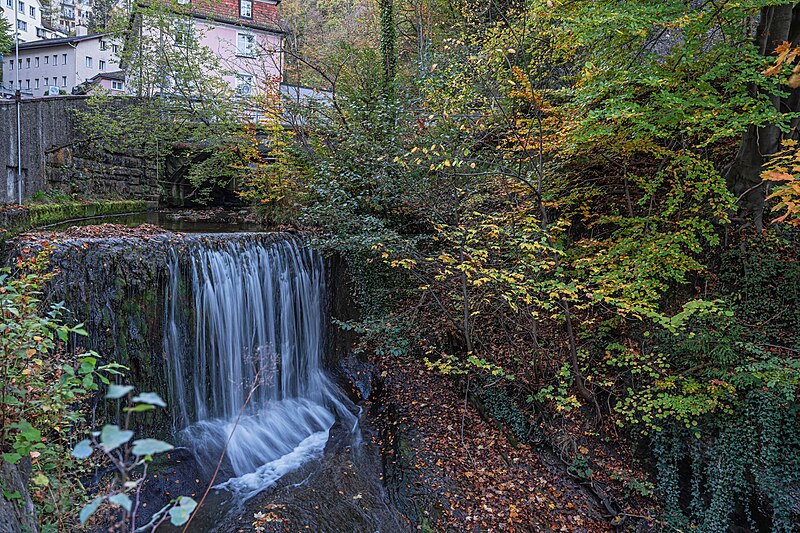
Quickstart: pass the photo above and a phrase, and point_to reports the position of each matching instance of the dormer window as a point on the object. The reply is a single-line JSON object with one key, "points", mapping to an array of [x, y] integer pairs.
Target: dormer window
{"points": [[246, 9]]}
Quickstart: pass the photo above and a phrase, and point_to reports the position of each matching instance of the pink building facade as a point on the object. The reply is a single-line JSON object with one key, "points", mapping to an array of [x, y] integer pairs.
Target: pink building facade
{"points": [[246, 37]]}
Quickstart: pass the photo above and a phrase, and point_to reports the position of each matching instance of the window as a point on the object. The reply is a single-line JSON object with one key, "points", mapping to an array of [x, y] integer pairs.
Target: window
{"points": [[101, 65], [116, 85], [27, 62], [11, 63], [46, 82], [27, 84], [10, 3], [246, 9], [36, 83], [21, 7], [245, 44], [36, 62], [32, 11], [184, 31], [22, 25], [88, 62], [114, 49], [63, 81], [244, 84], [55, 60], [19, 64], [103, 45], [64, 59]]}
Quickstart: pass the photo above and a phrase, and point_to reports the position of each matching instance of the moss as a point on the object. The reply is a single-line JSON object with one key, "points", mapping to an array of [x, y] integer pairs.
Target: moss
{"points": [[122, 345], [35, 215]]}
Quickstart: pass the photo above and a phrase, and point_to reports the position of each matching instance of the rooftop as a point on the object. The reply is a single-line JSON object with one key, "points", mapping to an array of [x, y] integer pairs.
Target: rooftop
{"points": [[117, 75], [46, 43]]}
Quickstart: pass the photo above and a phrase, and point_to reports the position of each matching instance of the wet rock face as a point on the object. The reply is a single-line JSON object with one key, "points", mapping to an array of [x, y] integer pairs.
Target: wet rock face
{"points": [[115, 287], [115, 284], [17, 514]]}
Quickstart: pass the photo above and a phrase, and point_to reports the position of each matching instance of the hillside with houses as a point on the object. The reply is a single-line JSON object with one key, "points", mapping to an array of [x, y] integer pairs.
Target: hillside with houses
{"points": [[57, 54]]}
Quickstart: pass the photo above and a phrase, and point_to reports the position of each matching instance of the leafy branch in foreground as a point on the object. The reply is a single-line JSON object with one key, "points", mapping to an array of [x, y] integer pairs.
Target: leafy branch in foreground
{"points": [[41, 387], [130, 460]]}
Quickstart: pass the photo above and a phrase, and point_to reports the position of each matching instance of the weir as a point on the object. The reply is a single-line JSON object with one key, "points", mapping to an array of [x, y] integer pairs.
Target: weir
{"points": [[245, 359], [232, 330]]}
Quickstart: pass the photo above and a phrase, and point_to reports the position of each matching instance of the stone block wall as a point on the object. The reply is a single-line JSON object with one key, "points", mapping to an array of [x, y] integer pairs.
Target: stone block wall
{"points": [[56, 156]]}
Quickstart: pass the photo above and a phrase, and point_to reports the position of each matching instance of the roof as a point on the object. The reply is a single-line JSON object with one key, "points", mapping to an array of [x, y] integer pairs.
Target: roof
{"points": [[117, 75], [46, 43], [226, 12], [46, 25], [235, 21]]}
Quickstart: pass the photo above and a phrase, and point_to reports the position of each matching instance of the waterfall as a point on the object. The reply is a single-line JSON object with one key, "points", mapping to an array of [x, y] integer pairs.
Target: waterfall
{"points": [[244, 341]]}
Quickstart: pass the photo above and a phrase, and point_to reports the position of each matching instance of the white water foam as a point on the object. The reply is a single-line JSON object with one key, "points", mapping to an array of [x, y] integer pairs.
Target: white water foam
{"points": [[244, 337]]}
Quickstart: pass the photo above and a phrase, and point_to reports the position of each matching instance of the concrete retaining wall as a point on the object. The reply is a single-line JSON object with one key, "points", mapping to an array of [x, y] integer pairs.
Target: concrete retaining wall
{"points": [[57, 158]]}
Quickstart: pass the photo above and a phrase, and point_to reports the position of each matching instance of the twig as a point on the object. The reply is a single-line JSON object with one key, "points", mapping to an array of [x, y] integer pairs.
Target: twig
{"points": [[463, 416], [222, 455]]}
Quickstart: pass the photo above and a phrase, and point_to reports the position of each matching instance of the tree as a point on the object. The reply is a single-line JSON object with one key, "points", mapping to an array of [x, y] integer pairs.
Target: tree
{"points": [[180, 103], [6, 35], [388, 47], [549, 215], [777, 24], [101, 16]]}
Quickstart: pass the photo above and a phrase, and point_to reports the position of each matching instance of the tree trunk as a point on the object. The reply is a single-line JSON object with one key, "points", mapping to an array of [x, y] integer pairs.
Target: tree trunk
{"points": [[388, 47], [777, 24]]}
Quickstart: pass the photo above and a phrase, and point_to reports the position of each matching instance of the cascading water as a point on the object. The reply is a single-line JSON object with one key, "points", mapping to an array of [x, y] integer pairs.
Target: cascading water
{"points": [[245, 357]]}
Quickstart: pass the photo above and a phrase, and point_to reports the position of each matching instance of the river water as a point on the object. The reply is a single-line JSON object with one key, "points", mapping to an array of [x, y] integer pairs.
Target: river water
{"points": [[246, 364]]}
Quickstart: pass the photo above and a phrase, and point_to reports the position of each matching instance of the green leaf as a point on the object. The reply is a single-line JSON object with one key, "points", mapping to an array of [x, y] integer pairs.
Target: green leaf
{"points": [[122, 500], [41, 480], [89, 509], [118, 391], [30, 433], [112, 437], [182, 511], [11, 458], [83, 449], [139, 408], [150, 398], [150, 447], [10, 496]]}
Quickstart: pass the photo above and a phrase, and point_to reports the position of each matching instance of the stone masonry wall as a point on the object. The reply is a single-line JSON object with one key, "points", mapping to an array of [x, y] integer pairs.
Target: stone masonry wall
{"points": [[56, 156]]}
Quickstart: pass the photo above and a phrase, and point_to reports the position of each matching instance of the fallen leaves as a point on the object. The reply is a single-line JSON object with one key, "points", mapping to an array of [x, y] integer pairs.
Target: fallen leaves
{"points": [[472, 479]]}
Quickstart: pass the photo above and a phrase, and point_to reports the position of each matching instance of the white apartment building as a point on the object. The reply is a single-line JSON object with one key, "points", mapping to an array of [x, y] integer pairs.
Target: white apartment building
{"points": [[68, 15], [29, 19], [61, 63]]}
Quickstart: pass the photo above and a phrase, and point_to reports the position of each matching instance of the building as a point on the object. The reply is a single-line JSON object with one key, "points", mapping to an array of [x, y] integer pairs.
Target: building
{"points": [[48, 31], [29, 19], [246, 37], [68, 15], [58, 65], [113, 82]]}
